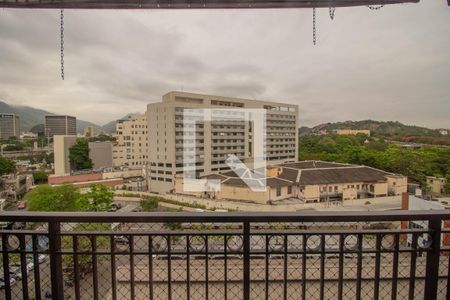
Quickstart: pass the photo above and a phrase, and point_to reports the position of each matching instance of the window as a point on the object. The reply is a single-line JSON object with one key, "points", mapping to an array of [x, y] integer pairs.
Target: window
{"points": [[278, 191], [289, 191]]}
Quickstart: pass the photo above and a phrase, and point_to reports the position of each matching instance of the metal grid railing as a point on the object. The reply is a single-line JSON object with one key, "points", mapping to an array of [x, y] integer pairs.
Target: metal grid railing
{"points": [[225, 256]]}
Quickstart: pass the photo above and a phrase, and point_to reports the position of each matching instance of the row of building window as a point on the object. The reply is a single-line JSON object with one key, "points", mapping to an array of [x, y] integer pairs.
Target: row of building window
{"points": [[161, 179], [289, 190]]}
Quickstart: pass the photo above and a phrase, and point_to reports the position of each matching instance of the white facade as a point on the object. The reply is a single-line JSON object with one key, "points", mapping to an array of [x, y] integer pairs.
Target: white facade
{"points": [[61, 145], [214, 140], [131, 142]]}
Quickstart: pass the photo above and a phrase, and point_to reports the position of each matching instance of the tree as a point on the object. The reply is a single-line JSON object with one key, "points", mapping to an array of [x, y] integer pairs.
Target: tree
{"points": [[40, 177], [85, 244], [6, 166], [149, 203], [13, 147], [46, 198], [79, 155], [102, 138], [99, 198], [447, 184]]}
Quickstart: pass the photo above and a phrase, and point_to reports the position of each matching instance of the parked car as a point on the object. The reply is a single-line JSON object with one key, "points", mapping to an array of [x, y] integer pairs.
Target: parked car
{"points": [[30, 266], [12, 281], [121, 240], [42, 258], [18, 225], [15, 272], [21, 205]]}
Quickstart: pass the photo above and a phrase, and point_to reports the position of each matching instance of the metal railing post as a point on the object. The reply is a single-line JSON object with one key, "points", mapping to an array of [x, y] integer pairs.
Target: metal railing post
{"points": [[433, 257], [246, 271], [56, 273]]}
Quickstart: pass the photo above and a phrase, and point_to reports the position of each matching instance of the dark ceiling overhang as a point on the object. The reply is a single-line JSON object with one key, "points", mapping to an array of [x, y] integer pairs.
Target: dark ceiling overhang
{"points": [[191, 4]]}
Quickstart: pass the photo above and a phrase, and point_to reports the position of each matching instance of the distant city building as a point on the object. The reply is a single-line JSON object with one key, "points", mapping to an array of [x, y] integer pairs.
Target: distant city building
{"points": [[101, 154], [9, 126], [217, 139], [436, 185], [89, 131], [444, 131], [38, 129], [61, 146], [60, 125], [131, 144], [310, 181], [341, 132], [28, 136], [351, 131]]}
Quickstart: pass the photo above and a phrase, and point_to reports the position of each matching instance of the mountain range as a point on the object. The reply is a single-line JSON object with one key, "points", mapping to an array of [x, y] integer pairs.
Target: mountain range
{"points": [[389, 128], [30, 117]]}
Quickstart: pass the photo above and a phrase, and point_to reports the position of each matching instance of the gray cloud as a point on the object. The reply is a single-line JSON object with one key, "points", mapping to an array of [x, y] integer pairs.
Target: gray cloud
{"points": [[391, 64]]}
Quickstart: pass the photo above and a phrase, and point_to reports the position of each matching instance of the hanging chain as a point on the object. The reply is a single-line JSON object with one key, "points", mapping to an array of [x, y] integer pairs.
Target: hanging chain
{"points": [[314, 25], [62, 43], [372, 7], [332, 10]]}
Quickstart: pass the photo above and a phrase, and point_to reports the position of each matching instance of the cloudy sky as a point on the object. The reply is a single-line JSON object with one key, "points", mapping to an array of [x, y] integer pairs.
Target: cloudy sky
{"points": [[390, 64]]}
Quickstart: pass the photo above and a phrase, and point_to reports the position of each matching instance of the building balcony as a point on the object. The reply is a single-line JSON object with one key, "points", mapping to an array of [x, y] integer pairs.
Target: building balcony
{"points": [[309, 255]]}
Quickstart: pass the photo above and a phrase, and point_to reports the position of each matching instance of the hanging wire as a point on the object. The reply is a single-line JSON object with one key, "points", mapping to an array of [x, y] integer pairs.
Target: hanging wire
{"points": [[372, 7], [62, 42], [332, 10], [314, 25]]}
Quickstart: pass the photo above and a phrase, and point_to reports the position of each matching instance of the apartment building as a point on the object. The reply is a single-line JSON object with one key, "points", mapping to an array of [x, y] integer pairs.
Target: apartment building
{"points": [[9, 126], [215, 139], [60, 125], [131, 142]]}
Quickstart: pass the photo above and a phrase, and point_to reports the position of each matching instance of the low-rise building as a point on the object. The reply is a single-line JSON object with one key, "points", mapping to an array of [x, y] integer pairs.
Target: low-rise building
{"points": [[309, 181], [351, 131], [436, 186], [129, 179], [444, 131], [14, 186]]}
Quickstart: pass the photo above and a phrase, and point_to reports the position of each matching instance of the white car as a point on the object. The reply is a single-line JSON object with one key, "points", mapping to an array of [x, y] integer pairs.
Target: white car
{"points": [[42, 258], [15, 272], [12, 281], [30, 266]]}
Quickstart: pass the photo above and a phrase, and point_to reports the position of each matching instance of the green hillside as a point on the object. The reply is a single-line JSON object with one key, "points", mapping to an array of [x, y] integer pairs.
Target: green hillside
{"points": [[391, 130]]}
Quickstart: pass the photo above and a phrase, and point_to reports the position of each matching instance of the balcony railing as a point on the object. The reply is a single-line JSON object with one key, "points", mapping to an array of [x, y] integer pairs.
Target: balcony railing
{"points": [[308, 255]]}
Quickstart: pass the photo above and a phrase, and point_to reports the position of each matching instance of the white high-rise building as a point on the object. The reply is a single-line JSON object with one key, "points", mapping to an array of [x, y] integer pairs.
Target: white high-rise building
{"points": [[214, 140]]}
